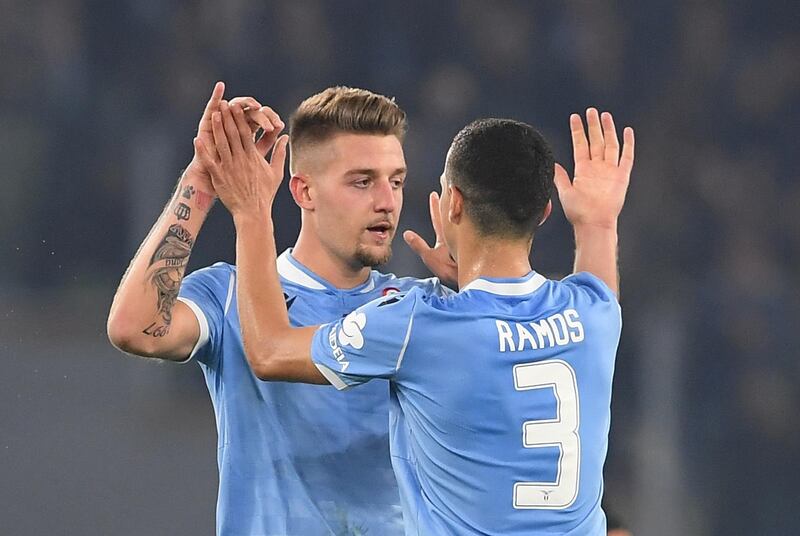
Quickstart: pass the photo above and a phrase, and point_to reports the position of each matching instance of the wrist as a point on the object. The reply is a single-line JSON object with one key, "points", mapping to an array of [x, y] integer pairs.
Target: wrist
{"points": [[244, 219], [595, 227], [592, 235], [193, 189]]}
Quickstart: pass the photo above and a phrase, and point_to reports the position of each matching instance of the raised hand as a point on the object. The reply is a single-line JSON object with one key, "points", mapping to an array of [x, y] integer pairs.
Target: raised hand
{"points": [[436, 258], [257, 116], [262, 117], [196, 169], [596, 194], [243, 179]]}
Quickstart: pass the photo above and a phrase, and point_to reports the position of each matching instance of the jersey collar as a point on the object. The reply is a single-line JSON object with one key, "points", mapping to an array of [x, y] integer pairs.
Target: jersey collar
{"points": [[508, 287], [293, 271]]}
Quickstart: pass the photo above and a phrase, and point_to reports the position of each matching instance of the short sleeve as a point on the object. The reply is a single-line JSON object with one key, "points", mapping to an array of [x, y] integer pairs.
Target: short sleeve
{"points": [[368, 343], [591, 286], [208, 293], [590, 295]]}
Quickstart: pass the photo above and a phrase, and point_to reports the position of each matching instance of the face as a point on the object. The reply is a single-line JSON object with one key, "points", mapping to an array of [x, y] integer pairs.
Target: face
{"points": [[356, 188]]}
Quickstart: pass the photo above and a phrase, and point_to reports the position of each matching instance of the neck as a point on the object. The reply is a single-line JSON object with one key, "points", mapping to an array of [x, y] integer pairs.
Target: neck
{"points": [[492, 258], [341, 273]]}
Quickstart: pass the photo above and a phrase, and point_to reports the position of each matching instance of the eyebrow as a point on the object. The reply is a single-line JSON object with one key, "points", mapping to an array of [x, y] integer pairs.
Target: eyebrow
{"points": [[373, 172]]}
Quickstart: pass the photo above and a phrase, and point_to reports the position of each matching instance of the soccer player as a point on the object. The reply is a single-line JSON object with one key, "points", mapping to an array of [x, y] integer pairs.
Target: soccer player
{"points": [[293, 459], [501, 393]]}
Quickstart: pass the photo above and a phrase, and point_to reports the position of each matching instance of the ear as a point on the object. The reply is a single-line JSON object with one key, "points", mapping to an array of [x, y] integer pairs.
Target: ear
{"points": [[455, 208], [547, 210], [300, 187]]}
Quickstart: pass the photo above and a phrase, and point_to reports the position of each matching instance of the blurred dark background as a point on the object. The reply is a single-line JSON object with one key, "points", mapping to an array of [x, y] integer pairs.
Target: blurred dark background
{"points": [[99, 102]]}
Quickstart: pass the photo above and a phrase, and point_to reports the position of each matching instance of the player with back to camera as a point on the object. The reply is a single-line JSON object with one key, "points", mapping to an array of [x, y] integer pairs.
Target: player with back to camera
{"points": [[500, 394], [293, 459]]}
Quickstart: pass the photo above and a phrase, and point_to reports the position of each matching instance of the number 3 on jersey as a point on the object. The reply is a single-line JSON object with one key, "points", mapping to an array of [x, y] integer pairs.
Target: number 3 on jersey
{"points": [[561, 432]]}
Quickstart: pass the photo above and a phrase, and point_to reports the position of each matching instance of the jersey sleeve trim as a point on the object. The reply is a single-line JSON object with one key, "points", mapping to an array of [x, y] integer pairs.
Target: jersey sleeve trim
{"points": [[229, 298], [332, 377], [405, 344], [202, 340]]}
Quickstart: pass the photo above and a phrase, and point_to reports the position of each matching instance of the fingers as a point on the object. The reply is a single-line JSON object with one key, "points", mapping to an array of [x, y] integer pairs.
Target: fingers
{"points": [[220, 140], [213, 103], [266, 141], [436, 217], [230, 130], [279, 156], [610, 137], [596, 143], [626, 161], [268, 138], [273, 117], [205, 155], [580, 146], [244, 134], [416, 243], [256, 118], [561, 180]]}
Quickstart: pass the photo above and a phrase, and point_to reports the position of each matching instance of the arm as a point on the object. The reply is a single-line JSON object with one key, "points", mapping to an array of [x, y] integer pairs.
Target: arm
{"points": [[145, 318], [593, 200], [246, 183]]}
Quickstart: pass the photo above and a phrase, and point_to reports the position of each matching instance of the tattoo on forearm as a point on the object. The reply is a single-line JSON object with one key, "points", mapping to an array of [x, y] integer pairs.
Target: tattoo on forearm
{"points": [[202, 198], [168, 263], [182, 211]]}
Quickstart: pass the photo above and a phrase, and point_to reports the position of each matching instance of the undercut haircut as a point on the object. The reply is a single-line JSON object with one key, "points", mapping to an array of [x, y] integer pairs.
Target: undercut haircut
{"points": [[504, 170], [345, 109]]}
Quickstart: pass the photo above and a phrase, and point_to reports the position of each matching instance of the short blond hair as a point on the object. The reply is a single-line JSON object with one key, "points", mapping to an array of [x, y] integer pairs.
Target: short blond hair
{"points": [[345, 109]]}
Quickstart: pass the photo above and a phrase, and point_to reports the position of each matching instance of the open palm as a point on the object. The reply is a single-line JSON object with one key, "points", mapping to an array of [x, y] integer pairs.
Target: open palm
{"points": [[596, 194]]}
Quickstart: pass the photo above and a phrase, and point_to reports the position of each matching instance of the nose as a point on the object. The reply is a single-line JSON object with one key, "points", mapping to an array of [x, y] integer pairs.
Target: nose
{"points": [[386, 198]]}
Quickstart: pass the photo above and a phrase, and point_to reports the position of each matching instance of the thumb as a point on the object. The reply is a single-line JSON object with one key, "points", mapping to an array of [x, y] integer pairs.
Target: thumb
{"points": [[561, 180], [416, 243], [278, 161]]}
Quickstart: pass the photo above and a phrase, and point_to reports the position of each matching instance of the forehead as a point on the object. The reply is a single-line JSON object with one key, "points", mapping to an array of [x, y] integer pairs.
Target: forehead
{"points": [[363, 151]]}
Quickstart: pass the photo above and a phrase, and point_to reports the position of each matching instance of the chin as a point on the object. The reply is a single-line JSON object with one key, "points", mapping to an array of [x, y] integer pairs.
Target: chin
{"points": [[373, 256]]}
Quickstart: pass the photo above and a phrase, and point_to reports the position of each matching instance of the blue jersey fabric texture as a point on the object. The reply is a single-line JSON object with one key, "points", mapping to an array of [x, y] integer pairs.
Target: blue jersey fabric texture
{"points": [[500, 400], [295, 459]]}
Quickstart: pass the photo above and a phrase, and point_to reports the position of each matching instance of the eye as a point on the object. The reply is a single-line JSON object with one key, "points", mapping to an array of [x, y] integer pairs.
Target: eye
{"points": [[398, 183], [362, 182]]}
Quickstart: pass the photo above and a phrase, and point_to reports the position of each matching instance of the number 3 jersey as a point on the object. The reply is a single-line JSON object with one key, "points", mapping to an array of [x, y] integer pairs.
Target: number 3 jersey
{"points": [[500, 400], [295, 459]]}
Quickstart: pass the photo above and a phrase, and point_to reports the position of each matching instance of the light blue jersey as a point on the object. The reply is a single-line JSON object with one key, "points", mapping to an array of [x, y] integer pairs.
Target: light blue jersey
{"points": [[500, 400], [295, 459]]}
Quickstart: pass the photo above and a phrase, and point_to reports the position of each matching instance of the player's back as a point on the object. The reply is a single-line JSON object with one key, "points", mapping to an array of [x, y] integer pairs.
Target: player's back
{"points": [[505, 391]]}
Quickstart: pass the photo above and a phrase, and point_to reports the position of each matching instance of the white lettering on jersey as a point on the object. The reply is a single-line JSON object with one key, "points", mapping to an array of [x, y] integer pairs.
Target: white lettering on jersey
{"points": [[505, 335], [576, 328], [525, 335], [543, 331], [338, 354], [559, 329], [350, 334]]}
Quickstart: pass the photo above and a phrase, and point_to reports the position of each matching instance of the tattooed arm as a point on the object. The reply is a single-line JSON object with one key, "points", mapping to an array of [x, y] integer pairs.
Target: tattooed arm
{"points": [[146, 319]]}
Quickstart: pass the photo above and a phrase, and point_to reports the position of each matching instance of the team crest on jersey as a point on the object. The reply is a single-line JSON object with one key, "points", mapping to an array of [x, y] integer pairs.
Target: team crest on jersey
{"points": [[390, 290], [350, 332]]}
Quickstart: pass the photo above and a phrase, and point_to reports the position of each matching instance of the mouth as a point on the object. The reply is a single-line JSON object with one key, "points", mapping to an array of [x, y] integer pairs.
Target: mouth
{"points": [[381, 231]]}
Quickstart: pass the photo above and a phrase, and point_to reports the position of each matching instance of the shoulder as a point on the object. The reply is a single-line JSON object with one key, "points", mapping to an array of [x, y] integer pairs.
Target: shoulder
{"points": [[215, 284], [217, 271], [403, 302], [386, 315], [431, 285], [588, 286]]}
